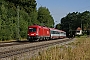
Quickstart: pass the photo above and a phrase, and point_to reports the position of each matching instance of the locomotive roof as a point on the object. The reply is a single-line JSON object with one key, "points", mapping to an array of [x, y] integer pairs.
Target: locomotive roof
{"points": [[38, 26]]}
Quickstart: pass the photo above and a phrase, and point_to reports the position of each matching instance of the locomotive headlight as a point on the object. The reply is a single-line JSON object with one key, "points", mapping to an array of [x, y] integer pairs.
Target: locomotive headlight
{"points": [[36, 34], [28, 34]]}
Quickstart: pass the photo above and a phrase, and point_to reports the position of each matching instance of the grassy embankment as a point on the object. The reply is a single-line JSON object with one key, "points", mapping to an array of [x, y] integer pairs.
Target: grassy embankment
{"points": [[78, 50], [12, 40]]}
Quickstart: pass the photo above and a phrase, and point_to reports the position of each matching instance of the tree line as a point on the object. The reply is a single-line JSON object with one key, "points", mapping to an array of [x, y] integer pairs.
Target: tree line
{"points": [[17, 15], [73, 20]]}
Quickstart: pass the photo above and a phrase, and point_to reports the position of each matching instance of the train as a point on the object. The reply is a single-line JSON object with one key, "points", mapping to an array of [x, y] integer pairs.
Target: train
{"points": [[37, 33]]}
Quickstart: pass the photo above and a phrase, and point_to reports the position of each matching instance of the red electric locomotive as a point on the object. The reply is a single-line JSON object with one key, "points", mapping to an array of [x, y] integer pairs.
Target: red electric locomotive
{"points": [[37, 32]]}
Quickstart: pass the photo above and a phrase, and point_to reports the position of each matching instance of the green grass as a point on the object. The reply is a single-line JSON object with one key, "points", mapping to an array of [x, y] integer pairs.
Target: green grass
{"points": [[78, 50]]}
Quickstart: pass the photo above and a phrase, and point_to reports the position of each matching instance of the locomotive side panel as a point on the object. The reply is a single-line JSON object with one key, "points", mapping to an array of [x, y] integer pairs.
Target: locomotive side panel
{"points": [[40, 32], [46, 32]]}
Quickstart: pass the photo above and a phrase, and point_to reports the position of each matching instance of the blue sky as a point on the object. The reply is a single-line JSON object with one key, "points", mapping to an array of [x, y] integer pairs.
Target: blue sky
{"points": [[60, 8]]}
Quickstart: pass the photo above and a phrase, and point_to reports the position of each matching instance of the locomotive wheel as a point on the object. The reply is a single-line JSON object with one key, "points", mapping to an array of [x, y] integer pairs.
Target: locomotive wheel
{"points": [[37, 40], [30, 41]]}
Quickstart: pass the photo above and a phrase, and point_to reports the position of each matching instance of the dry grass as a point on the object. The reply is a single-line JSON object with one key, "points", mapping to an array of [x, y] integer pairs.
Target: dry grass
{"points": [[78, 50]]}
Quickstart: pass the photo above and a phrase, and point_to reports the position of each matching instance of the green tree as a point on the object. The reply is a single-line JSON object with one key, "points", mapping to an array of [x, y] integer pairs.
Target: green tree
{"points": [[85, 18], [27, 5], [44, 17], [73, 20], [9, 18], [58, 26], [26, 13]]}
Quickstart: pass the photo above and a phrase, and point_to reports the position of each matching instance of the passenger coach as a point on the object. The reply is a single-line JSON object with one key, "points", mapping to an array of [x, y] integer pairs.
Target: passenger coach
{"points": [[57, 34]]}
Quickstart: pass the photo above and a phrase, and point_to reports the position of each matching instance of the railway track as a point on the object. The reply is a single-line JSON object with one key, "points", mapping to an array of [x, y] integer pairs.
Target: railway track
{"points": [[5, 44], [10, 53]]}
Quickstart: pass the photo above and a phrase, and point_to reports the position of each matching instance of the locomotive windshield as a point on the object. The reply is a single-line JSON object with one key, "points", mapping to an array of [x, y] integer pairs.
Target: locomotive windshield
{"points": [[32, 29]]}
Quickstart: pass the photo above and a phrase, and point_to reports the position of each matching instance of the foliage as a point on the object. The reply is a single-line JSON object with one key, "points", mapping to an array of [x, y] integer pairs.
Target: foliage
{"points": [[12, 12], [27, 5], [44, 17], [74, 20], [17, 15], [58, 26]]}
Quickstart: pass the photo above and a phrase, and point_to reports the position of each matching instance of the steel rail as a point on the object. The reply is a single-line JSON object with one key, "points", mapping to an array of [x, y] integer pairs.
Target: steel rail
{"points": [[5, 44], [28, 49]]}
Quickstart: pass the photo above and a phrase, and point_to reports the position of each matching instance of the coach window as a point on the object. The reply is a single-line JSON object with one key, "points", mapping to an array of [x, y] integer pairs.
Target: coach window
{"points": [[54, 32], [57, 32]]}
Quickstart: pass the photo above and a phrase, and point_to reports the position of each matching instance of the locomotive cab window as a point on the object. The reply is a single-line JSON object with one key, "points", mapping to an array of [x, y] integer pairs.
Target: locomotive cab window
{"points": [[32, 29]]}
